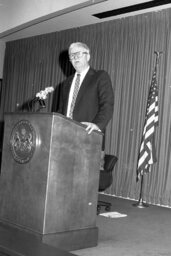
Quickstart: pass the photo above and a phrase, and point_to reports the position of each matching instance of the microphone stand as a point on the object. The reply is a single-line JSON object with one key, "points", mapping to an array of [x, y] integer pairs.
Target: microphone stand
{"points": [[41, 102], [41, 105]]}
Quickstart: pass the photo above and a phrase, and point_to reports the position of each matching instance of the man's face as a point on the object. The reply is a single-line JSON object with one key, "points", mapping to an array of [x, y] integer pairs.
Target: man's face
{"points": [[79, 58]]}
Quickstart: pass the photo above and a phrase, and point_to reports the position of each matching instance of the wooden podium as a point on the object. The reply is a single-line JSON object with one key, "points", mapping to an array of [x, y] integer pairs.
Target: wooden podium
{"points": [[49, 179]]}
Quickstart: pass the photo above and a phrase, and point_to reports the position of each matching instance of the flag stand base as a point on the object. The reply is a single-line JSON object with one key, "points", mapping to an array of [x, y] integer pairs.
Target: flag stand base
{"points": [[141, 204]]}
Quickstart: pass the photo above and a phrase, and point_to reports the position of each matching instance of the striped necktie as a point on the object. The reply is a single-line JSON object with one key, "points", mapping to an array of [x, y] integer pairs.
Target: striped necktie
{"points": [[75, 93]]}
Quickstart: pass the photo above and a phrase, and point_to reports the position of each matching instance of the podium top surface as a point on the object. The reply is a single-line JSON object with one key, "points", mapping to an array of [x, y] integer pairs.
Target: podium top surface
{"points": [[48, 114]]}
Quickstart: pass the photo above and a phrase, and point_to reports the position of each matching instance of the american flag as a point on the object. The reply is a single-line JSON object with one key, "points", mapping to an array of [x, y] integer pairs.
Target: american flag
{"points": [[147, 154]]}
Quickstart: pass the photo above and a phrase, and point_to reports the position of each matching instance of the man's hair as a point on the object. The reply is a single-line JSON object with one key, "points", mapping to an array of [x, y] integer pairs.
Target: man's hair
{"points": [[79, 44]]}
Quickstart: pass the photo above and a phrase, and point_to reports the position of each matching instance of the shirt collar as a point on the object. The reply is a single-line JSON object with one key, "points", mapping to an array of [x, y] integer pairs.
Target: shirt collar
{"points": [[83, 73]]}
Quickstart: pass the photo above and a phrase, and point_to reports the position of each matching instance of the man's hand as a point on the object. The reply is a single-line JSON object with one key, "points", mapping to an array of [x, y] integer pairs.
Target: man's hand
{"points": [[91, 127]]}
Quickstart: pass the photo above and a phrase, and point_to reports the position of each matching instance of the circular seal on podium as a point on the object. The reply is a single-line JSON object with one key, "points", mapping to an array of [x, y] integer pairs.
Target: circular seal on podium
{"points": [[23, 141]]}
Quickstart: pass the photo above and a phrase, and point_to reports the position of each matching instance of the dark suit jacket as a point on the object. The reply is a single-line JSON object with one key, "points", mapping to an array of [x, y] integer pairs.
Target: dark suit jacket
{"points": [[94, 101]]}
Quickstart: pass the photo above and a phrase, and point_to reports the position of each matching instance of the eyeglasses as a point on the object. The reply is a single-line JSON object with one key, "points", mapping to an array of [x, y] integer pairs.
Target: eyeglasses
{"points": [[76, 54]]}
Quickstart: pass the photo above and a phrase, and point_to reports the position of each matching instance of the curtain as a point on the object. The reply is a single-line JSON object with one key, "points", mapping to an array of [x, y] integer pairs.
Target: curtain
{"points": [[125, 48]]}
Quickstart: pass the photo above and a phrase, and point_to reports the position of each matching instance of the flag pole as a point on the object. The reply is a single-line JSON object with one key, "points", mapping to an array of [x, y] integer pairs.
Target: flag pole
{"points": [[140, 203], [157, 57], [147, 149]]}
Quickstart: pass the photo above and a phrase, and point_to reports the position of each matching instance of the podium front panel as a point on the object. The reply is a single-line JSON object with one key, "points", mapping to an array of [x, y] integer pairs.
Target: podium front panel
{"points": [[23, 181]]}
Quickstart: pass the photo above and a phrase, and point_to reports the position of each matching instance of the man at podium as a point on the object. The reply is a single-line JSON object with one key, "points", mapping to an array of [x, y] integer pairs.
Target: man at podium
{"points": [[86, 96]]}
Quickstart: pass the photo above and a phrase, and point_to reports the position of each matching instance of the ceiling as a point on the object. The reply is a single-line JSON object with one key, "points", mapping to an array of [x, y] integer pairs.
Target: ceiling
{"points": [[23, 18]]}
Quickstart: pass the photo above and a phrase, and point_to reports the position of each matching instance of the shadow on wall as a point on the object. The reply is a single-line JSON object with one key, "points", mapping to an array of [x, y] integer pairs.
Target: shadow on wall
{"points": [[1, 141], [67, 70], [31, 105], [1, 129]]}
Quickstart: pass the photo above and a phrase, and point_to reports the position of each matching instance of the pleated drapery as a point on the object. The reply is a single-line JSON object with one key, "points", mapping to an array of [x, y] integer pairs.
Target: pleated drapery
{"points": [[125, 48]]}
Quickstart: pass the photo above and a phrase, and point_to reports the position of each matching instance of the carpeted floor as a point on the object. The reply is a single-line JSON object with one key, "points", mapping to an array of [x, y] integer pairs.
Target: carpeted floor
{"points": [[142, 232]]}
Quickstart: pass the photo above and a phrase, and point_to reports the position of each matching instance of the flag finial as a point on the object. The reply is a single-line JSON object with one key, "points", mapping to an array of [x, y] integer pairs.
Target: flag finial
{"points": [[158, 53]]}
